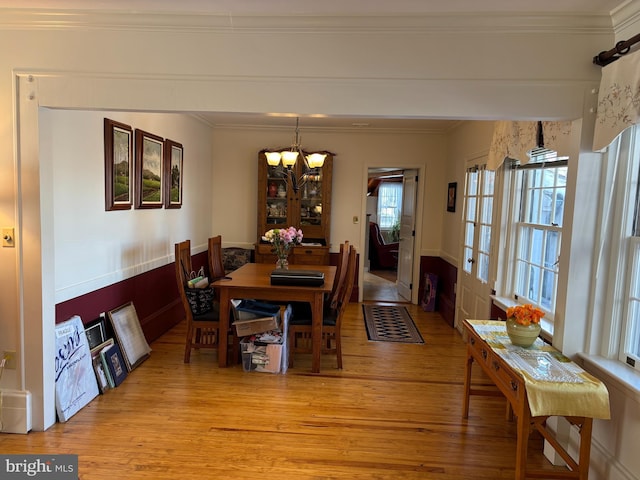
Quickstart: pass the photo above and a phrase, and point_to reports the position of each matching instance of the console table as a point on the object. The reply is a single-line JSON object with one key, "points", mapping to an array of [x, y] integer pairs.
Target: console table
{"points": [[538, 382]]}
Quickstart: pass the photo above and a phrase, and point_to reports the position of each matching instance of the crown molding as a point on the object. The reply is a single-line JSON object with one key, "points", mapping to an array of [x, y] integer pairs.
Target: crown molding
{"points": [[626, 16], [566, 23]]}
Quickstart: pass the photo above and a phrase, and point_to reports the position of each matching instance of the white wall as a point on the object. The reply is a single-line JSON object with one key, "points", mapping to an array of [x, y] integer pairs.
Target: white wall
{"points": [[94, 248]]}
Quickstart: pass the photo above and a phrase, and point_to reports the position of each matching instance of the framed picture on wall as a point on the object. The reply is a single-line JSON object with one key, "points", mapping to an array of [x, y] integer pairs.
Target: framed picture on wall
{"points": [[118, 165], [173, 174], [451, 197], [149, 170]]}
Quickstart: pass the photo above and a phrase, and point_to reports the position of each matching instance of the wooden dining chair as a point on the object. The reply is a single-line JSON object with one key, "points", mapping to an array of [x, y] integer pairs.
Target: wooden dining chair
{"points": [[303, 309], [300, 328], [216, 263], [202, 330]]}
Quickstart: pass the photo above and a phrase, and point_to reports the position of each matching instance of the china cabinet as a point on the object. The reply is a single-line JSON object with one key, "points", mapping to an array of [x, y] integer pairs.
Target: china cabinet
{"points": [[308, 208]]}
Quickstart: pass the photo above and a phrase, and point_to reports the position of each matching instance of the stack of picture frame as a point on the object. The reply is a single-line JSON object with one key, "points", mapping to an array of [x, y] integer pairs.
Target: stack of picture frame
{"points": [[117, 345]]}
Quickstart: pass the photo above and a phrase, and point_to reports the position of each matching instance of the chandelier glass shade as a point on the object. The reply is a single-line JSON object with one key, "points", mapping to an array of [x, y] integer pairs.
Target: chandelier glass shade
{"points": [[312, 161]]}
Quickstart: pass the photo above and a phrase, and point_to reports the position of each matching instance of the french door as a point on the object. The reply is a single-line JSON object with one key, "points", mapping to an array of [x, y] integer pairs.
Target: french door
{"points": [[473, 296]]}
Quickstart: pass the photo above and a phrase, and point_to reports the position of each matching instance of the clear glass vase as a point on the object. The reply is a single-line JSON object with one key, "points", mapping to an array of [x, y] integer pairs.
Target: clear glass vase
{"points": [[283, 262]]}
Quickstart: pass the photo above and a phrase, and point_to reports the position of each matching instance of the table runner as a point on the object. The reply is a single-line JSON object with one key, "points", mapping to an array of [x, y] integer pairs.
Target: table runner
{"points": [[555, 385]]}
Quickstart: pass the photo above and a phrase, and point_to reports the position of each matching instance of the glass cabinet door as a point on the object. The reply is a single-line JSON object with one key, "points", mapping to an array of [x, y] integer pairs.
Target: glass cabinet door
{"points": [[276, 208], [311, 201]]}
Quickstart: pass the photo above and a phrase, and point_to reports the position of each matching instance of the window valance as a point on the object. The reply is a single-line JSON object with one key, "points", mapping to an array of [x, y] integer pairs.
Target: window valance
{"points": [[513, 139], [618, 100]]}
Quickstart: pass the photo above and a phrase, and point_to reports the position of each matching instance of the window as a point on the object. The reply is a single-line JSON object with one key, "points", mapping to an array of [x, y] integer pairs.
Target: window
{"points": [[478, 216], [389, 203], [628, 153], [538, 231]]}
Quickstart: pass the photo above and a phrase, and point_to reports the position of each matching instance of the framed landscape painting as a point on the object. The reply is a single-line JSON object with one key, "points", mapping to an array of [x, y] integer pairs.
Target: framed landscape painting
{"points": [[118, 165], [149, 170], [173, 174]]}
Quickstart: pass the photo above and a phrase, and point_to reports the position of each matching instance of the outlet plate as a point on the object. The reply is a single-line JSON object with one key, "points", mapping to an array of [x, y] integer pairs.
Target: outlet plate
{"points": [[10, 357]]}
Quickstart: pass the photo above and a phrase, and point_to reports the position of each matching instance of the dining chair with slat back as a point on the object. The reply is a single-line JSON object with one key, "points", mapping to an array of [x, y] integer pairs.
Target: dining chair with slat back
{"points": [[216, 263], [300, 328], [216, 272], [202, 330], [341, 274], [303, 309]]}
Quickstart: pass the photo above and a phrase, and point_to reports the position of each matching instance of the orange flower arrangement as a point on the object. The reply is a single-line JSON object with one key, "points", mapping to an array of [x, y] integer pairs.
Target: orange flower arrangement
{"points": [[525, 314]]}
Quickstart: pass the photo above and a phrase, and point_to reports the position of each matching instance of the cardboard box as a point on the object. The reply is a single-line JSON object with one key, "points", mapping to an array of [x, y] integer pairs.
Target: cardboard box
{"points": [[266, 351], [247, 323], [256, 324]]}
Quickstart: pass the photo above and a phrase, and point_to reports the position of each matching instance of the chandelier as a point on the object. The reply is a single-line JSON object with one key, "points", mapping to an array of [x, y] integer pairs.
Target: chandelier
{"points": [[311, 162]]}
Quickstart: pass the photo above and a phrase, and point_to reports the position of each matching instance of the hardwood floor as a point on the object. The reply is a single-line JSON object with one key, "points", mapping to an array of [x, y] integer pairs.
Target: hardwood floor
{"points": [[393, 412], [380, 286]]}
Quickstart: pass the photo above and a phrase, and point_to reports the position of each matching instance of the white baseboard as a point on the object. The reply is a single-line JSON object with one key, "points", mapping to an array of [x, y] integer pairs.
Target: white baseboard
{"points": [[15, 411]]}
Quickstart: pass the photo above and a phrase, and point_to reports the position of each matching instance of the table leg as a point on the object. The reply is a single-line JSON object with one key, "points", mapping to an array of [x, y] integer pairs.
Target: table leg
{"points": [[585, 448], [467, 385], [316, 331], [225, 305], [524, 421]]}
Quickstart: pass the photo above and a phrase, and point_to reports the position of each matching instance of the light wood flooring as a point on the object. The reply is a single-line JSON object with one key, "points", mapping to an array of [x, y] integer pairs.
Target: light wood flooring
{"points": [[393, 412], [380, 286]]}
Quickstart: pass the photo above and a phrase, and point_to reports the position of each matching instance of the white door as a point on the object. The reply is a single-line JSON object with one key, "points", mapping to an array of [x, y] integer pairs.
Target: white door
{"points": [[474, 290], [407, 233]]}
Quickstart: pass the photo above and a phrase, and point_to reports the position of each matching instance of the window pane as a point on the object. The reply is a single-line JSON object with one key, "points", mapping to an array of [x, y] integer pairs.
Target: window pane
{"points": [[521, 276], [472, 178], [534, 284], [548, 288], [466, 265], [483, 267], [552, 250], [389, 202], [537, 244], [485, 238], [533, 215], [488, 182], [470, 232], [634, 319], [487, 210], [471, 209]]}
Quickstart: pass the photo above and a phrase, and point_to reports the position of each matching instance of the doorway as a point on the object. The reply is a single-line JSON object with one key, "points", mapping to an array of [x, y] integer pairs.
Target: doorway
{"points": [[386, 210]]}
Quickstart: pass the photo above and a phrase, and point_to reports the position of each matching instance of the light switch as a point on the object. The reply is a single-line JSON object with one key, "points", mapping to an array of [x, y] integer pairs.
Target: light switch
{"points": [[356, 219]]}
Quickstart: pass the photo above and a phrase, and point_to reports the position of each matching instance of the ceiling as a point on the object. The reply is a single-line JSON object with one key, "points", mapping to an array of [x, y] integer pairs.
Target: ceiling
{"points": [[325, 7]]}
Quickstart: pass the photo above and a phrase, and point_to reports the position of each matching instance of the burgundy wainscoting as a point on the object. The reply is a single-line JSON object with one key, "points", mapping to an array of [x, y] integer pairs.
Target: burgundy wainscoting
{"points": [[154, 295], [447, 278]]}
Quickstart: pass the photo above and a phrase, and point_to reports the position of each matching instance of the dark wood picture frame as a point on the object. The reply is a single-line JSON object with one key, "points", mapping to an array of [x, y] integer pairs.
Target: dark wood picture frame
{"points": [[451, 196], [173, 158], [118, 165], [149, 170]]}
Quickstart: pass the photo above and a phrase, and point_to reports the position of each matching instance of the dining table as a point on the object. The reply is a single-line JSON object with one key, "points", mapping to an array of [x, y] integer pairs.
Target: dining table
{"points": [[253, 281]]}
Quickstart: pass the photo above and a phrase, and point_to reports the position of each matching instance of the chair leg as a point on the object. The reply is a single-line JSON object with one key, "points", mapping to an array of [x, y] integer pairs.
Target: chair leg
{"points": [[339, 350], [187, 348]]}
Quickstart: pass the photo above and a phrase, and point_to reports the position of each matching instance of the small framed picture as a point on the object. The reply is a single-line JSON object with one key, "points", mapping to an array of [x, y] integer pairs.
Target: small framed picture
{"points": [[96, 332], [118, 165], [451, 197], [173, 174], [149, 170]]}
